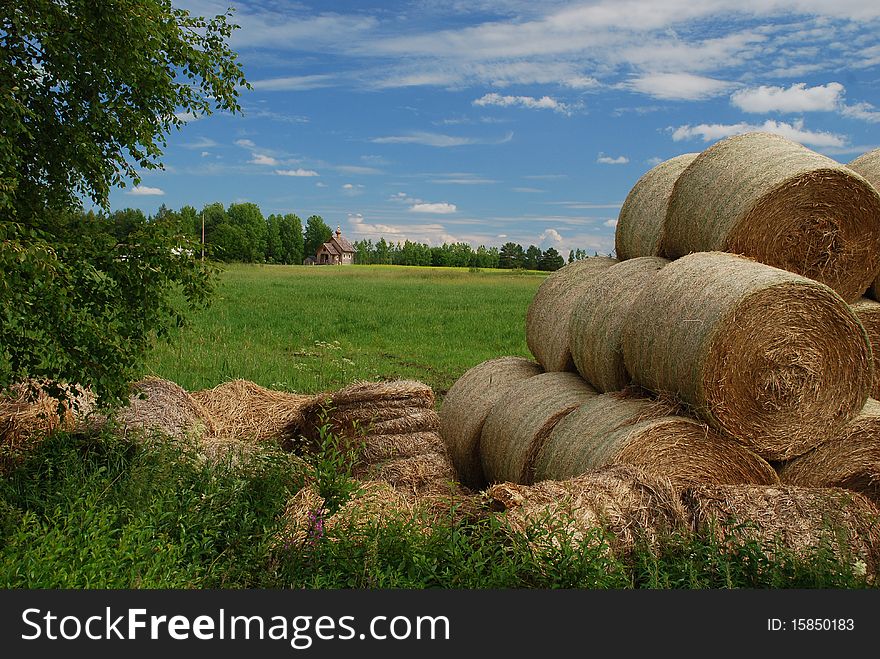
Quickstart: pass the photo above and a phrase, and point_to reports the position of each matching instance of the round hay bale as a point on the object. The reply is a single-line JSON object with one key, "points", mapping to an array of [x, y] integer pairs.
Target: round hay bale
{"points": [[771, 358], [598, 317], [614, 428], [868, 165], [799, 519], [158, 405], [868, 313], [520, 422], [626, 503], [643, 214], [780, 203], [849, 460], [549, 311], [242, 409], [466, 405]]}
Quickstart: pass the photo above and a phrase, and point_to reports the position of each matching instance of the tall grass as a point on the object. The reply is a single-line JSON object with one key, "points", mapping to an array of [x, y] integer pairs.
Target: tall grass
{"points": [[311, 329]]}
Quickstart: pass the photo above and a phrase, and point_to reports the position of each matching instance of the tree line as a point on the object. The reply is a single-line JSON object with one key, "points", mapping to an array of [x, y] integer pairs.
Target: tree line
{"points": [[240, 233]]}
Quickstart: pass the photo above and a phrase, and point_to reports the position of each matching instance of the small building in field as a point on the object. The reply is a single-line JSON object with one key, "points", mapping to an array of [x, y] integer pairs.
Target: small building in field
{"points": [[336, 251]]}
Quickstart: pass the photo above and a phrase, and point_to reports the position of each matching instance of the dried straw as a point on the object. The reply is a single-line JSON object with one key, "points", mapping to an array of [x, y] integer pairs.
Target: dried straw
{"points": [[783, 204], [868, 313], [466, 405], [800, 519], [868, 165], [550, 310], [520, 422], [377, 448], [244, 410], [770, 358], [418, 474], [849, 460], [622, 500], [643, 214], [617, 428], [598, 318], [159, 406]]}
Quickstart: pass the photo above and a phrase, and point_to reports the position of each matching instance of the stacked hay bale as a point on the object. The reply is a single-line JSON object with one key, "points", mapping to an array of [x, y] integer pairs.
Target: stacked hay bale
{"points": [[868, 166]]}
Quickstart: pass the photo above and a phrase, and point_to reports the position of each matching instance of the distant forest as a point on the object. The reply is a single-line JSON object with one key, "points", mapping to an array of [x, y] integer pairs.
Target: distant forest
{"points": [[241, 233]]}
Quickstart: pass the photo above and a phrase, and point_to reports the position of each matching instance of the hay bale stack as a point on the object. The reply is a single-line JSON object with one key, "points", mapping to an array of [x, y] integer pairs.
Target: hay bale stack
{"points": [[549, 311], [770, 358], [783, 204], [868, 165], [598, 318], [242, 409], [466, 405], [799, 519], [619, 428], [372, 449], [626, 503], [640, 224], [850, 460], [868, 313], [156, 405], [520, 422]]}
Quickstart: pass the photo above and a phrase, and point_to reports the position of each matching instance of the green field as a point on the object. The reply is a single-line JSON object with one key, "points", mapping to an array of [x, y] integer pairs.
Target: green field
{"points": [[311, 329]]}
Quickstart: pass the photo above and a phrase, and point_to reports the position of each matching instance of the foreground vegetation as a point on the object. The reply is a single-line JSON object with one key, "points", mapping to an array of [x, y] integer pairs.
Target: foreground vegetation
{"points": [[97, 511], [100, 512]]}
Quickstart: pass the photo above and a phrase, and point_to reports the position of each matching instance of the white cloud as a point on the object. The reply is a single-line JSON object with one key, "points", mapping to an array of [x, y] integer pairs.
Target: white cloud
{"points": [[262, 159], [437, 139], [438, 208], [296, 172], [357, 169], [187, 117], [543, 103], [611, 224], [678, 86], [797, 98], [293, 83], [608, 160], [145, 191], [200, 143], [550, 235], [246, 144], [863, 111], [794, 131]]}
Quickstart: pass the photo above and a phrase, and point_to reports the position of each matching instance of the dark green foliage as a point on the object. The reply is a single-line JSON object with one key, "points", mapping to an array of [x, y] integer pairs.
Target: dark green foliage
{"points": [[550, 260], [316, 234]]}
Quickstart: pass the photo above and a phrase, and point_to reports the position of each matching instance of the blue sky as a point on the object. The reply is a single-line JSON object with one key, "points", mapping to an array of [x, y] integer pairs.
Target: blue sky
{"points": [[509, 120]]}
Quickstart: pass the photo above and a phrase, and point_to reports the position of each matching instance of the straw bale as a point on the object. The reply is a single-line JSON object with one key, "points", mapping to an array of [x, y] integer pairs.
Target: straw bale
{"points": [[868, 165], [800, 519], [520, 422], [612, 428], [29, 413], [549, 312], [466, 405], [410, 393], [643, 214], [156, 405], [244, 410], [868, 313], [780, 203], [377, 448], [418, 474], [626, 502], [849, 460], [773, 359], [375, 505], [598, 318]]}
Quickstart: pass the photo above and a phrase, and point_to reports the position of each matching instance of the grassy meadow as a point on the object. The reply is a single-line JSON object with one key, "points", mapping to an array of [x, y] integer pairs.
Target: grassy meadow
{"points": [[311, 329]]}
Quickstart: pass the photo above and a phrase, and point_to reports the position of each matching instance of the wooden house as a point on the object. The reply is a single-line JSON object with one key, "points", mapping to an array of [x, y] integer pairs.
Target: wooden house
{"points": [[336, 251]]}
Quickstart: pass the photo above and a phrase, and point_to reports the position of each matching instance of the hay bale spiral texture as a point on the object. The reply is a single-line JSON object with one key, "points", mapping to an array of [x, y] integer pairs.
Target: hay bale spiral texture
{"points": [[160, 406], [466, 405], [772, 199], [868, 165], [640, 224], [800, 519], [598, 318], [850, 460], [868, 313], [615, 428], [624, 501], [771, 358], [520, 422], [549, 311]]}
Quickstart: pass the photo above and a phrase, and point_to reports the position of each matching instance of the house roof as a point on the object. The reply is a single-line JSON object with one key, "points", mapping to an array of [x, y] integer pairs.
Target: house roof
{"points": [[330, 247], [342, 244]]}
